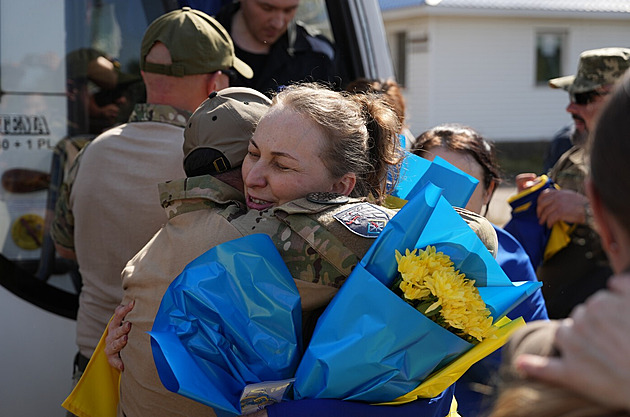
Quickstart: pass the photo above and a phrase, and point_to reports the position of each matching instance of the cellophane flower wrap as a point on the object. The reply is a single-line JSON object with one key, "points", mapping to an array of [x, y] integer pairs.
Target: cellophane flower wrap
{"points": [[415, 172], [229, 322], [371, 345]]}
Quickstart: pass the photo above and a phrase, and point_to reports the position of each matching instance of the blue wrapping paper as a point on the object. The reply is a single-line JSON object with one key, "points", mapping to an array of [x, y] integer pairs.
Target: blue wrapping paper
{"points": [[370, 345], [231, 318], [415, 172]]}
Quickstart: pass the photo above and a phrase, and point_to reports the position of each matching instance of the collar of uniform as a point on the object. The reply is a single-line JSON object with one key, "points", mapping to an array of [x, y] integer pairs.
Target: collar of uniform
{"points": [[302, 205], [577, 155], [204, 187], [161, 113]]}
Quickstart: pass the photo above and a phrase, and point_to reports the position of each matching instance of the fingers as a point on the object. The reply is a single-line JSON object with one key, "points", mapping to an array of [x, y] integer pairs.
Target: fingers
{"points": [[560, 205], [545, 207], [544, 368], [620, 284], [116, 363], [122, 310], [117, 338], [114, 343], [524, 181]]}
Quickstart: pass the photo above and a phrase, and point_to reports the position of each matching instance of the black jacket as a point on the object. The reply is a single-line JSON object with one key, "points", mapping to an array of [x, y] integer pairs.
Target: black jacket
{"points": [[308, 58]]}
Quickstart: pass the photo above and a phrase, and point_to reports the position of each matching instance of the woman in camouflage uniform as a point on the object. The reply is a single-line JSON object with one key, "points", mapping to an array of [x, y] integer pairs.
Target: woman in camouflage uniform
{"points": [[314, 160]]}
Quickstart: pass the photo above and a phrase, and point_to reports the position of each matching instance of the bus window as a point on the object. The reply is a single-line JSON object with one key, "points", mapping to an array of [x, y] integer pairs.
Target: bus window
{"points": [[68, 70]]}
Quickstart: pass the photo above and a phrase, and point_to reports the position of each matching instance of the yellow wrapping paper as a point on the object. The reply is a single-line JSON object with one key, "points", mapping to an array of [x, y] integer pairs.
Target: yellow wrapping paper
{"points": [[445, 377]]}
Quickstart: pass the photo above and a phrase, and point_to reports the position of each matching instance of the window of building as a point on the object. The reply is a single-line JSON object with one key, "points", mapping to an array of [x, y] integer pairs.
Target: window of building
{"points": [[549, 55], [400, 57]]}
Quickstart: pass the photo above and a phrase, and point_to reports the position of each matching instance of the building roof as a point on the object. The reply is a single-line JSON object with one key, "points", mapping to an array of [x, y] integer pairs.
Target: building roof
{"points": [[601, 6]]}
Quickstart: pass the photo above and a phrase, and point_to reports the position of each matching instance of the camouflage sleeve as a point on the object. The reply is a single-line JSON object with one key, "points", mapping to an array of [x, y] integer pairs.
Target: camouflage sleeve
{"points": [[62, 227]]}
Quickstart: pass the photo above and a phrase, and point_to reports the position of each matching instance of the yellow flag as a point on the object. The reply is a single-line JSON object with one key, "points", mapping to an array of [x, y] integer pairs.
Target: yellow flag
{"points": [[96, 393]]}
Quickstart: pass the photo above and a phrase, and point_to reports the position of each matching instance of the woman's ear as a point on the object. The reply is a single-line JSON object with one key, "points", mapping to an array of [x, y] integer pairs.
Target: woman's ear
{"points": [[345, 185]]}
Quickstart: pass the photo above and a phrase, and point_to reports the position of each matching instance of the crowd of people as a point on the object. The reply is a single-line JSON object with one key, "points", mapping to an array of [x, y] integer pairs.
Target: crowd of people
{"points": [[241, 141]]}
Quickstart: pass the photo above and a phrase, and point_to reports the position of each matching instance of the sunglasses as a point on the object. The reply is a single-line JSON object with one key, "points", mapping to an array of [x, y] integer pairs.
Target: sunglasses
{"points": [[583, 99]]}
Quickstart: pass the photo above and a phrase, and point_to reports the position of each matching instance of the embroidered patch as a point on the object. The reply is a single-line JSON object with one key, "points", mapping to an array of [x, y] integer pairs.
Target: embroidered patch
{"points": [[364, 219]]}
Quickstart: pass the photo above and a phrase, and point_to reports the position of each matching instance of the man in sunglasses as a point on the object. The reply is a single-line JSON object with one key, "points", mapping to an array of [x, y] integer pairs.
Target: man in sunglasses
{"points": [[581, 268]]}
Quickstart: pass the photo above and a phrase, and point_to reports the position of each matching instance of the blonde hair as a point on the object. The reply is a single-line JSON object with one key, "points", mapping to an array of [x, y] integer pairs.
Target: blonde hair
{"points": [[529, 398], [361, 132]]}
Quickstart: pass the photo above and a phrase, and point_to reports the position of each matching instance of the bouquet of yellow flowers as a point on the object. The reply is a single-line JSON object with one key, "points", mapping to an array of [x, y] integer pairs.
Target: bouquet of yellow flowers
{"points": [[372, 344], [429, 283]]}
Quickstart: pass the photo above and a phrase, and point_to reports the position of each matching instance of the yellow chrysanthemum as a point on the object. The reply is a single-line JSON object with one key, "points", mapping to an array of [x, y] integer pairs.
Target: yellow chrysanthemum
{"points": [[430, 276]]}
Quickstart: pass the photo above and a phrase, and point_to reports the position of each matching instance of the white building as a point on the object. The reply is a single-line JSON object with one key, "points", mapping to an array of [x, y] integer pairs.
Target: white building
{"points": [[486, 63]]}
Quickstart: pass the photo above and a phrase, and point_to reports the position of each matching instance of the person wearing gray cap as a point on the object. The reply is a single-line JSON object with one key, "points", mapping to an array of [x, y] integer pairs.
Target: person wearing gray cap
{"points": [[108, 207], [215, 144], [581, 268]]}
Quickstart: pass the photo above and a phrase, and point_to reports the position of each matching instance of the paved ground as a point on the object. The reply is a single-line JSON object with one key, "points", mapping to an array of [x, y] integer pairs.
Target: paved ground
{"points": [[499, 211]]}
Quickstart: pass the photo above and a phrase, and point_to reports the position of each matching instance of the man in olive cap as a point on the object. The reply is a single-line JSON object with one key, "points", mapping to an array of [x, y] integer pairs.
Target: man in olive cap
{"points": [[581, 268], [108, 207]]}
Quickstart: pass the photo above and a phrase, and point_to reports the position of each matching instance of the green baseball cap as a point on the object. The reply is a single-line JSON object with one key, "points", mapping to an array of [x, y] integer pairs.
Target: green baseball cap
{"points": [[198, 44], [222, 127], [597, 68]]}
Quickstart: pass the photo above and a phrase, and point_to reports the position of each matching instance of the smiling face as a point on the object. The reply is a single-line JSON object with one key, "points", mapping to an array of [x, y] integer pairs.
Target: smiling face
{"points": [[284, 162]]}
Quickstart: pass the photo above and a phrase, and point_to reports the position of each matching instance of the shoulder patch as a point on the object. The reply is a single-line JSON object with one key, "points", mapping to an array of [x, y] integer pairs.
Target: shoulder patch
{"points": [[364, 219]]}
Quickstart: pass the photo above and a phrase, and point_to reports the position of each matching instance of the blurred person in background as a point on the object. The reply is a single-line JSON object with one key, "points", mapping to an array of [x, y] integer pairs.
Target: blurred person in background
{"points": [[469, 151], [579, 366], [561, 142], [581, 267], [279, 49]]}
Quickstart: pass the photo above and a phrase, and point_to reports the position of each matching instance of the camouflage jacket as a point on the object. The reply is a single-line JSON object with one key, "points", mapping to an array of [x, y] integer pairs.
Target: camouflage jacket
{"points": [[314, 248], [320, 240], [571, 170], [62, 227]]}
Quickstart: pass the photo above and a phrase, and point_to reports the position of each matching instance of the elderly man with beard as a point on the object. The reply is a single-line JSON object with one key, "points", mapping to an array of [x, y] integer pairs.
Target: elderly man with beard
{"points": [[581, 268]]}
